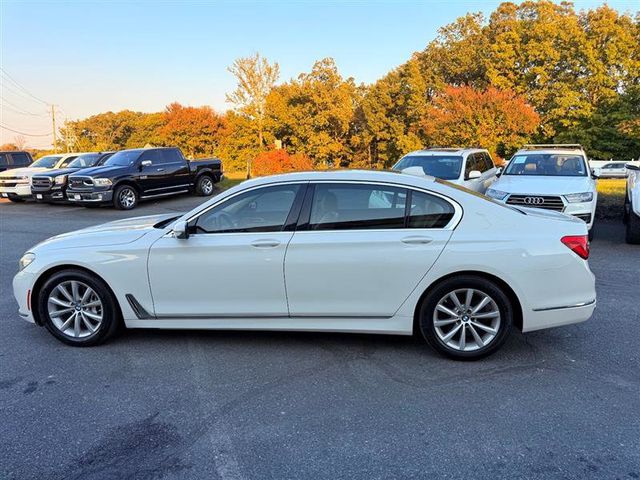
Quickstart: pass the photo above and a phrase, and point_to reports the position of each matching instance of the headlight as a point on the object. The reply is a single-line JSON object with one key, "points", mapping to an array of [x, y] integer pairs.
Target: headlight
{"points": [[26, 260], [579, 197], [60, 180], [102, 182], [497, 194]]}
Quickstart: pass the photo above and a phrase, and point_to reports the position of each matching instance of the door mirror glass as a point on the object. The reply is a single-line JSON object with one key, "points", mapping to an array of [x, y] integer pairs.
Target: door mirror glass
{"points": [[145, 163], [181, 229], [499, 171], [473, 174], [595, 173]]}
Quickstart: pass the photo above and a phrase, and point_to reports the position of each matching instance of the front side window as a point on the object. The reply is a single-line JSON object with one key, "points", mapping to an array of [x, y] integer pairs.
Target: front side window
{"points": [[446, 167], [67, 161], [88, 160], [474, 162], [429, 211], [487, 161], [123, 158], [547, 164], [261, 210], [355, 207], [47, 162]]}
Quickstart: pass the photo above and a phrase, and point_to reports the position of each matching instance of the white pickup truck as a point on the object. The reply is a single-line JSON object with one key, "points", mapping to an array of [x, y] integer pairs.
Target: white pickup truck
{"points": [[632, 203]]}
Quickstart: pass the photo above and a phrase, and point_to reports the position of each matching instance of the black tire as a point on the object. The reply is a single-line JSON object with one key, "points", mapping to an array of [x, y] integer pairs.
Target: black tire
{"points": [[442, 289], [125, 197], [627, 208], [591, 234], [111, 317], [204, 185], [16, 199], [633, 229]]}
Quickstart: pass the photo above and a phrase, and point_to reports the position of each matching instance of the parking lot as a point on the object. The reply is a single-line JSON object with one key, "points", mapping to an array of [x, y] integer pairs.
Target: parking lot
{"points": [[560, 403]]}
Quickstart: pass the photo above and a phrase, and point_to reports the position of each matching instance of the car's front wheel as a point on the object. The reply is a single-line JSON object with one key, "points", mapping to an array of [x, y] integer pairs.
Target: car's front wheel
{"points": [[466, 317], [78, 308], [16, 199], [125, 197]]}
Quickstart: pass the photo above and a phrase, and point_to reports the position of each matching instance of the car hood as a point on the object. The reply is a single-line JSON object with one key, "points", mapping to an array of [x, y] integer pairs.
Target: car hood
{"points": [[57, 171], [113, 233], [540, 185], [23, 172], [104, 171]]}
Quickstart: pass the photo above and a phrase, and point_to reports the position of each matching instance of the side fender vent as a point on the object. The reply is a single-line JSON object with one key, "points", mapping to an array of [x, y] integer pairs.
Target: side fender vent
{"points": [[138, 309]]}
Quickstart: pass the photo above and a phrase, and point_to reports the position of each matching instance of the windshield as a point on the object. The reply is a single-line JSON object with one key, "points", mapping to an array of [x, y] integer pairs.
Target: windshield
{"points": [[446, 167], [123, 159], [88, 160], [46, 162], [547, 164]]}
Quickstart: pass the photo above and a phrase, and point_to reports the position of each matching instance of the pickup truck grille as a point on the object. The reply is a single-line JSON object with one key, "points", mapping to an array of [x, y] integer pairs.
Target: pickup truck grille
{"points": [[43, 183], [12, 181], [546, 202], [80, 182]]}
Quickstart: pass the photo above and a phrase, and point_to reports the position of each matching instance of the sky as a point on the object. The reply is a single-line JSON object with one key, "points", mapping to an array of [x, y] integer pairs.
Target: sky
{"points": [[93, 56]]}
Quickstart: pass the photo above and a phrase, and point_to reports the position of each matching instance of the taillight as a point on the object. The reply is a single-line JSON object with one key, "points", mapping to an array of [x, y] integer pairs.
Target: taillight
{"points": [[578, 243]]}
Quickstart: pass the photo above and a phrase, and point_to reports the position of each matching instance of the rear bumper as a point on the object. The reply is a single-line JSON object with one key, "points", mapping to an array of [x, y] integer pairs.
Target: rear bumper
{"points": [[23, 191], [558, 316], [90, 197]]}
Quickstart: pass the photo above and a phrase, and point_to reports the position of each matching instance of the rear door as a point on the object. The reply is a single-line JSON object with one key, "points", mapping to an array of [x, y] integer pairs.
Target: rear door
{"points": [[361, 248], [173, 171]]}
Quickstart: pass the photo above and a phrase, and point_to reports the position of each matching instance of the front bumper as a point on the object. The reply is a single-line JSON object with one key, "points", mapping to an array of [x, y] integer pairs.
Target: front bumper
{"points": [[22, 288], [585, 211], [52, 195], [20, 190], [103, 196]]}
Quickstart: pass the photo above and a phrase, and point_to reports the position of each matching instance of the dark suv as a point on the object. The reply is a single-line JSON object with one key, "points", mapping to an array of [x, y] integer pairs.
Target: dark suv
{"points": [[51, 186], [133, 175], [14, 159]]}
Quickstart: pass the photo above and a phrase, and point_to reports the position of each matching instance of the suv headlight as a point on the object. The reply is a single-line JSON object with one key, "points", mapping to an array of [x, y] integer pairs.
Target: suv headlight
{"points": [[102, 182], [579, 197], [60, 180], [26, 260], [497, 194]]}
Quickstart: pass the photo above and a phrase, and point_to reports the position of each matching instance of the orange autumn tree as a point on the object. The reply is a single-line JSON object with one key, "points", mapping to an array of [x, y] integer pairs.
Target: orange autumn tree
{"points": [[279, 161], [498, 120]]}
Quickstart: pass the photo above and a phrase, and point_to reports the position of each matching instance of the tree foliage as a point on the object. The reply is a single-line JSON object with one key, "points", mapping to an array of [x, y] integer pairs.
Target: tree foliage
{"points": [[280, 161]]}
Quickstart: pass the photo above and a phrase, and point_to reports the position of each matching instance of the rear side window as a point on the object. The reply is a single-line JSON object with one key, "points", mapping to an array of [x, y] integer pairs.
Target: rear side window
{"points": [[429, 211], [67, 161], [20, 159], [170, 156], [356, 207]]}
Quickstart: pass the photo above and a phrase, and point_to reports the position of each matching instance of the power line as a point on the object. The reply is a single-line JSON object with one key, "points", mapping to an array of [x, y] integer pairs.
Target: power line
{"points": [[15, 108], [21, 87], [23, 133]]}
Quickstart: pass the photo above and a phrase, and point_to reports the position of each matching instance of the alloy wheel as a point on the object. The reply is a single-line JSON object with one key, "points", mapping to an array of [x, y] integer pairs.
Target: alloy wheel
{"points": [[466, 320], [127, 198], [206, 185], [75, 309]]}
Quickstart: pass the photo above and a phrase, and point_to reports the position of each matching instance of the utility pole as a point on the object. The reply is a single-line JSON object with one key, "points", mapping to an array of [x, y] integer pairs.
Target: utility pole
{"points": [[53, 121]]}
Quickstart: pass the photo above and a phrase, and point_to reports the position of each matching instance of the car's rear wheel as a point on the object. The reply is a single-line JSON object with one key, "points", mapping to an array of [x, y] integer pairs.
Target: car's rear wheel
{"points": [[125, 197], [466, 317], [204, 185], [78, 308]]}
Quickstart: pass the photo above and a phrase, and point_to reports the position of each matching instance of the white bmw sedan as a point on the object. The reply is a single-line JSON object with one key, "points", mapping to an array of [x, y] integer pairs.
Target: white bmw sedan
{"points": [[346, 251]]}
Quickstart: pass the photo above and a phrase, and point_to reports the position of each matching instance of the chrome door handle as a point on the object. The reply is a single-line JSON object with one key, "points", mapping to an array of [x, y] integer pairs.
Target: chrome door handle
{"points": [[265, 243], [416, 240], [160, 170]]}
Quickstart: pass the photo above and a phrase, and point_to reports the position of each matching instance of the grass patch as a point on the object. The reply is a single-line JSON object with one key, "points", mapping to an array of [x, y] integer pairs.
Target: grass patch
{"points": [[231, 180], [611, 193]]}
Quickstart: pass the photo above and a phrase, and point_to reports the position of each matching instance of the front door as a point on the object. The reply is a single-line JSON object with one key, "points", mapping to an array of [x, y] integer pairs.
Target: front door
{"points": [[356, 254], [232, 263]]}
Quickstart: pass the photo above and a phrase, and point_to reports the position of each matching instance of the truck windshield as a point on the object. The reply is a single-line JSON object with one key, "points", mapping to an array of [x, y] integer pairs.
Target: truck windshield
{"points": [[446, 167], [88, 160], [547, 164], [47, 162], [123, 159]]}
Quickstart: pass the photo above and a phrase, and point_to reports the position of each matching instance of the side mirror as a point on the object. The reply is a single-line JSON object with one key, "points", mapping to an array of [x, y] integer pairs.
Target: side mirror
{"points": [[499, 171], [595, 173], [145, 163], [473, 174], [181, 230]]}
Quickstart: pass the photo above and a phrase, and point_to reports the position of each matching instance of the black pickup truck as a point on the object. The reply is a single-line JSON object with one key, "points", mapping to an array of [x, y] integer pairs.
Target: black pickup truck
{"points": [[51, 186], [139, 174]]}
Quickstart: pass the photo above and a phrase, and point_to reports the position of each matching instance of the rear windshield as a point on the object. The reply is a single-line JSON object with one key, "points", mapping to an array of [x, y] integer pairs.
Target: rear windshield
{"points": [[47, 162], [479, 195], [547, 164], [446, 167]]}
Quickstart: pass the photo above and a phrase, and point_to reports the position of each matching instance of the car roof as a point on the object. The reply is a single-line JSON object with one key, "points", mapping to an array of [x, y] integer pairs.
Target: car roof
{"points": [[439, 151], [548, 151]]}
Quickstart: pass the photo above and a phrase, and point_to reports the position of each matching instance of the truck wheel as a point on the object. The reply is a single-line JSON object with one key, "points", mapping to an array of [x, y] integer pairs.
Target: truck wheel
{"points": [[125, 197], [204, 186], [633, 229], [16, 199]]}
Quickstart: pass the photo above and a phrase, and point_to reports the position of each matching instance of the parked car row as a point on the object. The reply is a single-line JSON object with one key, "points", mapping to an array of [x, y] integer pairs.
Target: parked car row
{"points": [[609, 168], [121, 179], [549, 177]]}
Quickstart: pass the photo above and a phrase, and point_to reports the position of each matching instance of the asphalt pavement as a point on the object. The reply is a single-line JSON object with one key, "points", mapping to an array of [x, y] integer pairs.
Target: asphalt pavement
{"points": [[560, 403]]}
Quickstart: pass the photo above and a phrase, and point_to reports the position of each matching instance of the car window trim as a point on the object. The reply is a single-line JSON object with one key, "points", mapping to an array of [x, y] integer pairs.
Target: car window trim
{"points": [[290, 221], [305, 215]]}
